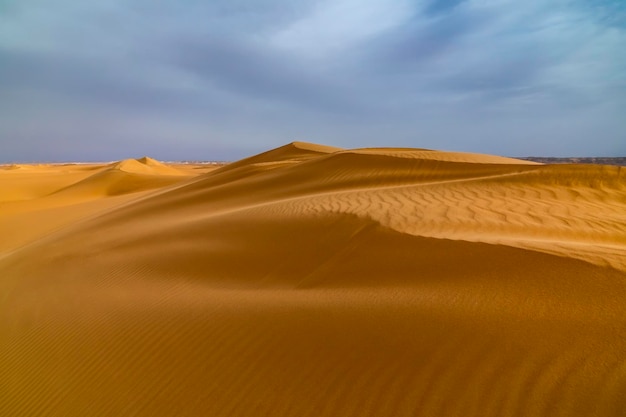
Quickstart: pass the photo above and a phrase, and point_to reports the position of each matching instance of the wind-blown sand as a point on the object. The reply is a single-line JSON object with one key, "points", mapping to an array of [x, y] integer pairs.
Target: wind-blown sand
{"points": [[314, 281]]}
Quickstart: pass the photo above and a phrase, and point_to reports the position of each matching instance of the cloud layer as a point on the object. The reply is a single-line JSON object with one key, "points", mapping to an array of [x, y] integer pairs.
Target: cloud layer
{"points": [[226, 78]]}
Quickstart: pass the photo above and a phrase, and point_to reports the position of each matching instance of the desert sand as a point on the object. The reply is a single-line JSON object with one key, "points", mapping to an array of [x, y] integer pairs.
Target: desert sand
{"points": [[314, 281]]}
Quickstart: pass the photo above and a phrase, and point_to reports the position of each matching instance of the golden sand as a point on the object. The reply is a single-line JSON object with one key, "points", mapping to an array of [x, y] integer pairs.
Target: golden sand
{"points": [[314, 281]]}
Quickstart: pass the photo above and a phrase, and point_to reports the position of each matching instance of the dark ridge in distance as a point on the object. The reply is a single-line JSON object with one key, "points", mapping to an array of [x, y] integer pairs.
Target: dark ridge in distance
{"points": [[620, 161]]}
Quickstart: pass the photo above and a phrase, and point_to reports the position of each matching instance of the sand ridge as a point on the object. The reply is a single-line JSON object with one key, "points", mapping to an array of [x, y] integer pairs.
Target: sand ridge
{"points": [[312, 280], [428, 154], [36, 201], [145, 165]]}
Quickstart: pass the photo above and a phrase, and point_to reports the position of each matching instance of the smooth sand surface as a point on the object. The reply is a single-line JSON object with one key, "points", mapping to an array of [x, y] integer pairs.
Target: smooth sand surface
{"points": [[314, 281]]}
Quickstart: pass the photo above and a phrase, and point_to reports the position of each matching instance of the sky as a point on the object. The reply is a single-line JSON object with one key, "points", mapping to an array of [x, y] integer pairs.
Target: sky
{"points": [[102, 80]]}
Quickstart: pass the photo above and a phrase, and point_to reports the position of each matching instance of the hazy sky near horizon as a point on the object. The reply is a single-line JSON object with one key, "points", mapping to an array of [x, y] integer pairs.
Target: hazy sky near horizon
{"points": [[223, 79]]}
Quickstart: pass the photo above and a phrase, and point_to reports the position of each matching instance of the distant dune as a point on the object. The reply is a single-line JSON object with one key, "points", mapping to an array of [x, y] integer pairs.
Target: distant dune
{"points": [[314, 281]]}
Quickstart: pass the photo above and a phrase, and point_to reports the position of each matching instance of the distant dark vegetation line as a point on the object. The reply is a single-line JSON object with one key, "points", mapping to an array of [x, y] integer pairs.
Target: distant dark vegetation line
{"points": [[590, 160]]}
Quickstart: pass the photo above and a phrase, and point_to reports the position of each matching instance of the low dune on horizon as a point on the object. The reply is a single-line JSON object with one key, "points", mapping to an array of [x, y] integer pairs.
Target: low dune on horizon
{"points": [[311, 280]]}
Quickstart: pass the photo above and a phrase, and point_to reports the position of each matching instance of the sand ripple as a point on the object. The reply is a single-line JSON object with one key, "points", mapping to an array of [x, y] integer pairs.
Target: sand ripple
{"points": [[315, 281]]}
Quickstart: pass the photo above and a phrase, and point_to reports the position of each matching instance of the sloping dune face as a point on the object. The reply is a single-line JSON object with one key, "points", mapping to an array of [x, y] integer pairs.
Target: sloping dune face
{"points": [[316, 281]]}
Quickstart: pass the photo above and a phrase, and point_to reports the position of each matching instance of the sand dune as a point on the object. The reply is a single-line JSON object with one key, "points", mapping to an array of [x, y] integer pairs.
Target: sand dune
{"points": [[128, 176], [49, 197], [145, 165], [312, 280]]}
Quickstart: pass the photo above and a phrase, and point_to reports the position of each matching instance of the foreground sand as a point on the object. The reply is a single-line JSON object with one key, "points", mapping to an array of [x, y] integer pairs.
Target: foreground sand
{"points": [[314, 281]]}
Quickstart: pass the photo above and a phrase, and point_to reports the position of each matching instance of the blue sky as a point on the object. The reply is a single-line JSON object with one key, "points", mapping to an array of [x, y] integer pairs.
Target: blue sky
{"points": [[222, 79]]}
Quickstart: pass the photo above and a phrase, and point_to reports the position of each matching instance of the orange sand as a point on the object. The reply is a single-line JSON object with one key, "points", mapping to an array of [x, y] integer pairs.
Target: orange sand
{"points": [[314, 281]]}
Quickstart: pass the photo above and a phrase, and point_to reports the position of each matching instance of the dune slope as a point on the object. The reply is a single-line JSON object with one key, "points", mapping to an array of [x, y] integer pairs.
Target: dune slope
{"points": [[40, 199], [313, 280]]}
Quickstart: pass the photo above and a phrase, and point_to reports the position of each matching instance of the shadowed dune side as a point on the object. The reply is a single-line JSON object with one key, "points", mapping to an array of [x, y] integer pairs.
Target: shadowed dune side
{"points": [[241, 185], [27, 182], [293, 152], [47, 198], [311, 281], [116, 181], [39, 181], [322, 316], [574, 210]]}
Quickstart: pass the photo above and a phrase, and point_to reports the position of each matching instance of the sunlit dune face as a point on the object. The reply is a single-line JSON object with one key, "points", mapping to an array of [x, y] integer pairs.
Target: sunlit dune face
{"points": [[313, 280]]}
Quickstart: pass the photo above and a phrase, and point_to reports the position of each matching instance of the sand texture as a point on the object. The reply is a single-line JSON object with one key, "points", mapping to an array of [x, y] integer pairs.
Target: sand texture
{"points": [[314, 281]]}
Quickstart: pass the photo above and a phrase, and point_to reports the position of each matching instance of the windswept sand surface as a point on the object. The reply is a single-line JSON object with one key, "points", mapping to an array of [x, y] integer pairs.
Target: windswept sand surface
{"points": [[314, 281]]}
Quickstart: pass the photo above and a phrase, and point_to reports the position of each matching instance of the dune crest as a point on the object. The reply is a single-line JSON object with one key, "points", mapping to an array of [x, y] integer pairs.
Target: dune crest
{"points": [[317, 281], [444, 156], [293, 152], [123, 177], [145, 165]]}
